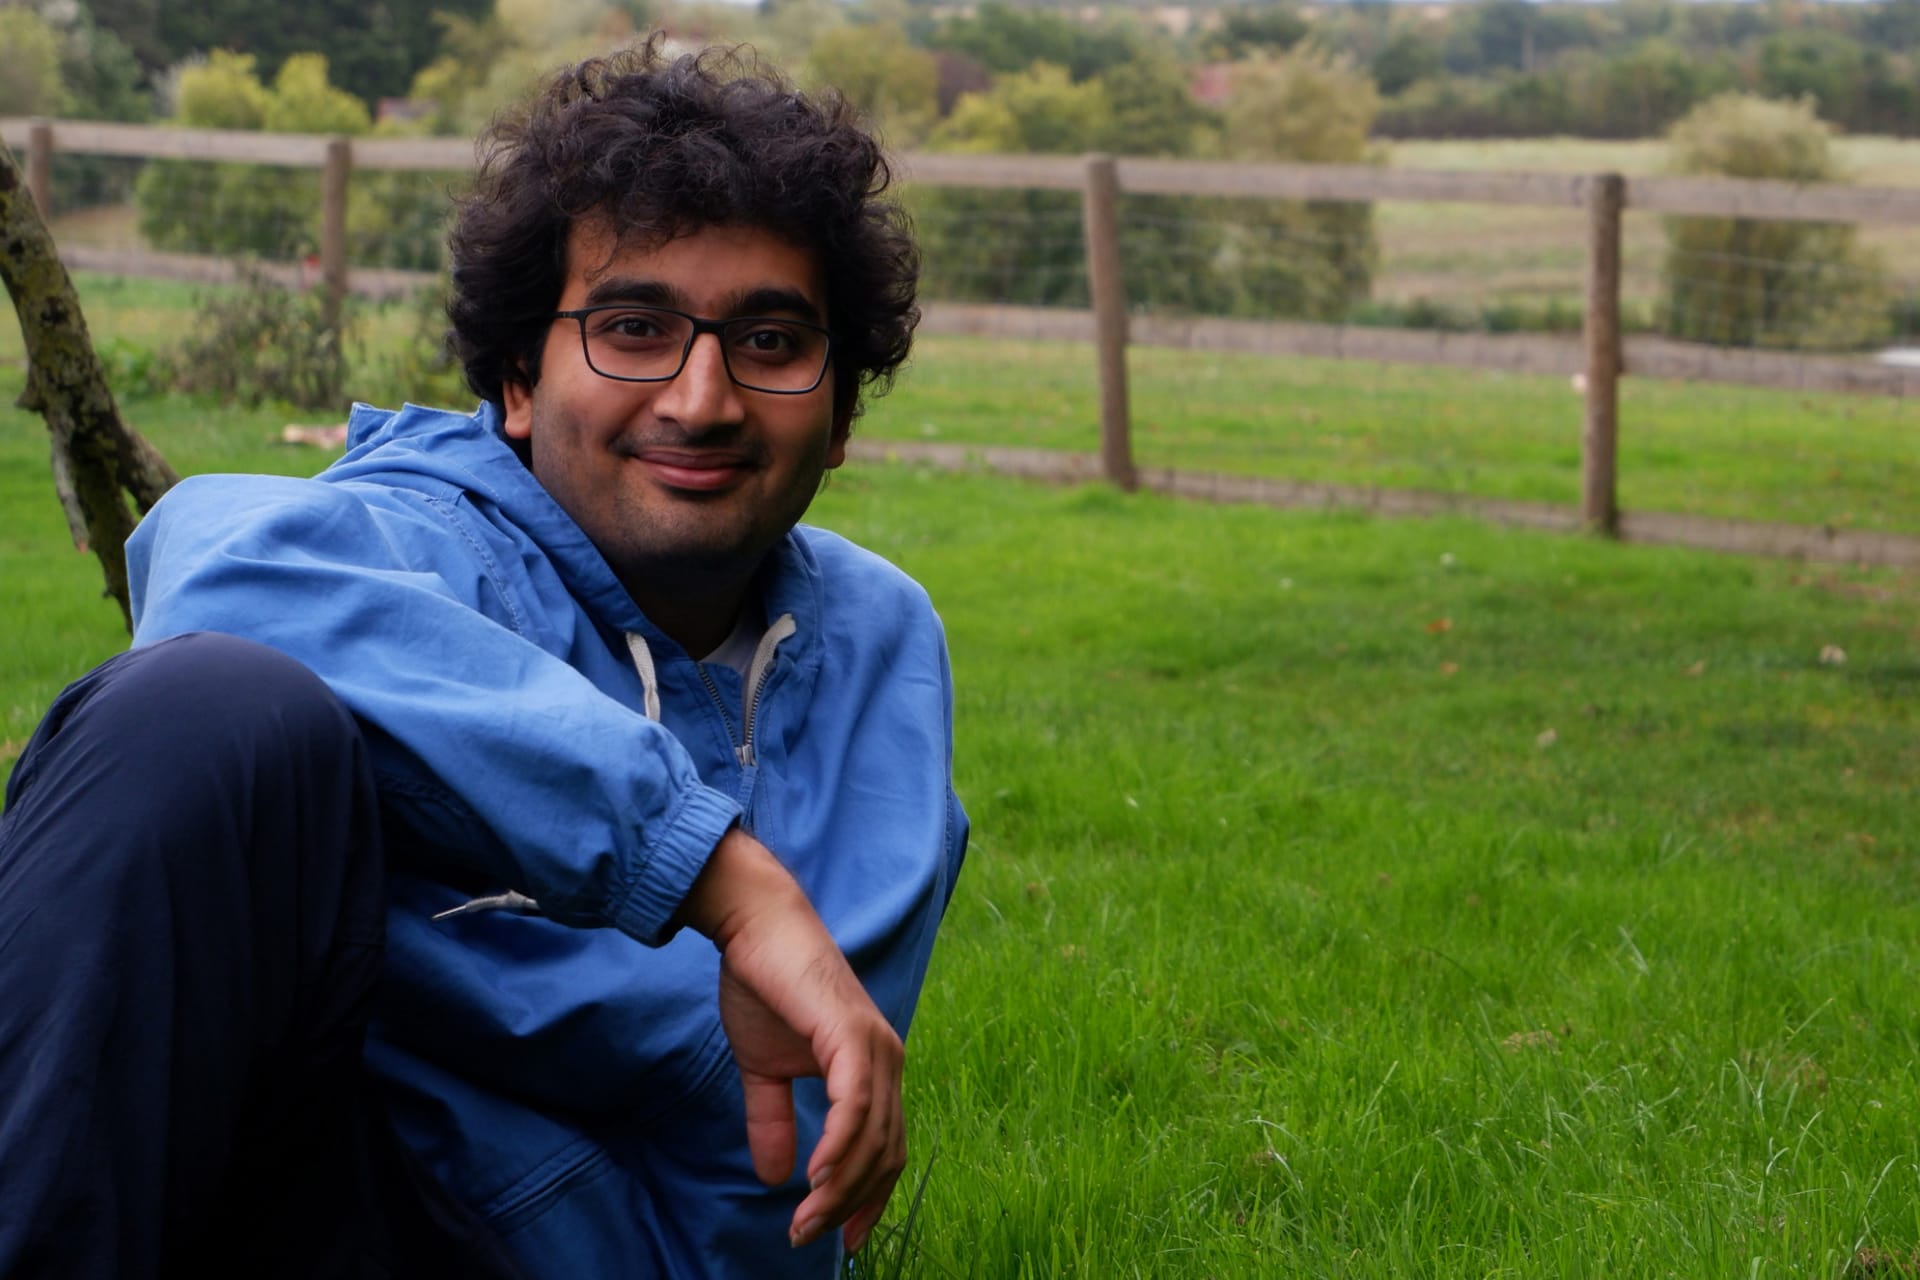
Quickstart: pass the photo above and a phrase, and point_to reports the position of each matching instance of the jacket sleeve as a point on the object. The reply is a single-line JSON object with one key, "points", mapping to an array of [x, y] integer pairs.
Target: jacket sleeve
{"points": [[484, 743]]}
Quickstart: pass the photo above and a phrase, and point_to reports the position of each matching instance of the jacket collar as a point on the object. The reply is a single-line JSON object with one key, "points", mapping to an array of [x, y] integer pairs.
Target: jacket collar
{"points": [[471, 452]]}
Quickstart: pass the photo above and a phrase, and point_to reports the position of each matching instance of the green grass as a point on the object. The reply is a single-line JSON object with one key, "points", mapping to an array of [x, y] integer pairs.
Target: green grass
{"points": [[1347, 897], [1357, 898], [1845, 461]]}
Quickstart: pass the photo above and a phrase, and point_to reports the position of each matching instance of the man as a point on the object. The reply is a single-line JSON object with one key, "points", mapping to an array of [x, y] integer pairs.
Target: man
{"points": [[600, 686]]}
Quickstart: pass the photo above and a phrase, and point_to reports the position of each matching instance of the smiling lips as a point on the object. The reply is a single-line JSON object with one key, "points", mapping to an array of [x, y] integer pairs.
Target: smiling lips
{"points": [[699, 469]]}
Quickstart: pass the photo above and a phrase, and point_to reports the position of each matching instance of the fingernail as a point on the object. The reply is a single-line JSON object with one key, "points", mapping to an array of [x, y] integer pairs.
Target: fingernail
{"points": [[857, 1243], [804, 1233], [814, 1183]]}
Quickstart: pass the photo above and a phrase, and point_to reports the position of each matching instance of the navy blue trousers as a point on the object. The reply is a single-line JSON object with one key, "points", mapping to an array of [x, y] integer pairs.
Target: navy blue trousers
{"points": [[191, 925]]}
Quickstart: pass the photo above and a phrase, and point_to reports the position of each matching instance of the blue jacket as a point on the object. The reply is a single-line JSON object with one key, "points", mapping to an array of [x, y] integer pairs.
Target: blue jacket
{"points": [[561, 1067]]}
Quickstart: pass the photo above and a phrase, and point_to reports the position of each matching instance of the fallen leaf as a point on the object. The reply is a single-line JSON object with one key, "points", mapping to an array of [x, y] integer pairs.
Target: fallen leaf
{"points": [[1541, 1039], [1832, 655], [1698, 668], [1546, 739], [1440, 624]]}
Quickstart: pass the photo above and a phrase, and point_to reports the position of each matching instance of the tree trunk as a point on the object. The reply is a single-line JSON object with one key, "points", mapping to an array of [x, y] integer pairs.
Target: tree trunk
{"points": [[98, 461]]}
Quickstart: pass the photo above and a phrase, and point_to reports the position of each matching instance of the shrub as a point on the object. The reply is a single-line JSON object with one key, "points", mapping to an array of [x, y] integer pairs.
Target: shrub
{"points": [[262, 341], [1747, 283], [239, 208]]}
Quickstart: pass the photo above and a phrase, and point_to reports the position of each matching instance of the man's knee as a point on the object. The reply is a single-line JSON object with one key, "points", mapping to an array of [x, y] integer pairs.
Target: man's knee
{"points": [[187, 701], [204, 685], [190, 727]]}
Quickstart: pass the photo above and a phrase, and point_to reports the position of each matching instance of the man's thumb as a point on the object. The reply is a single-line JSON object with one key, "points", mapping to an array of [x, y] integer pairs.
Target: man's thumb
{"points": [[770, 1131]]}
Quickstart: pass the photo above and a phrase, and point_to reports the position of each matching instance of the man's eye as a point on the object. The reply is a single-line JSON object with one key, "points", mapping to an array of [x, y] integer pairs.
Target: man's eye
{"points": [[631, 324], [768, 340]]}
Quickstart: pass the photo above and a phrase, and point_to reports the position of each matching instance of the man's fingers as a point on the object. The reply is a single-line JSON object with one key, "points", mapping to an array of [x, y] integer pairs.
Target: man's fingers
{"points": [[770, 1131], [860, 1225], [862, 1148]]}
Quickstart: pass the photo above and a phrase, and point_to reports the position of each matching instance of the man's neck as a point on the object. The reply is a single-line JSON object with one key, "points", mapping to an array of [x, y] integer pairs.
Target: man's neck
{"points": [[698, 621]]}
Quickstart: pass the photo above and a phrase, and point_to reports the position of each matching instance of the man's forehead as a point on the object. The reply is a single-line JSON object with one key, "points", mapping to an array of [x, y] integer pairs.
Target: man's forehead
{"points": [[597, 248]]}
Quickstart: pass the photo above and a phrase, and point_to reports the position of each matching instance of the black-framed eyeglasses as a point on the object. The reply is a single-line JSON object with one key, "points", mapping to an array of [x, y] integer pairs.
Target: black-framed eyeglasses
{"points": [[631, 343]]}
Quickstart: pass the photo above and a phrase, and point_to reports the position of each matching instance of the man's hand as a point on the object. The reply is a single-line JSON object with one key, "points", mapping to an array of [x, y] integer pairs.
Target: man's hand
{"points": [[792, 1008]]}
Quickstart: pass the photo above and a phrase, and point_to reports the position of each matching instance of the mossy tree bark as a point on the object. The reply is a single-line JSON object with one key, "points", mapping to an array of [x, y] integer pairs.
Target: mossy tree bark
{"points": [[99, 462]]}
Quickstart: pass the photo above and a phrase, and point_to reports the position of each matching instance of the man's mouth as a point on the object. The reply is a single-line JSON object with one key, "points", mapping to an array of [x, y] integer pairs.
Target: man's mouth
{"points": [[696, 469]]}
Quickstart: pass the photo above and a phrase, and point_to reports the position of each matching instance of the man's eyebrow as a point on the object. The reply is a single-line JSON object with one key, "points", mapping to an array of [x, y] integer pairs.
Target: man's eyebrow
{"points": [[651, 293], [772, 300], [766, 300]]}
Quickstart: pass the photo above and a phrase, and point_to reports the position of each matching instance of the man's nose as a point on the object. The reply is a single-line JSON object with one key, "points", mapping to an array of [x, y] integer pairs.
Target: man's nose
{"points": [[702, 393]]}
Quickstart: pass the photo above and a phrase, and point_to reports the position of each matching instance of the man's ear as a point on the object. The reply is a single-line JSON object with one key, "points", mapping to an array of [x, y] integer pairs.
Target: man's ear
{"points": [[837, 443], [516, 403]]}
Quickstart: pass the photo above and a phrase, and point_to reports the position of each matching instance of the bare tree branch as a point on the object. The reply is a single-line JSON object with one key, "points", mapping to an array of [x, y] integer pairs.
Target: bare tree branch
{"points": [[99, 461]]}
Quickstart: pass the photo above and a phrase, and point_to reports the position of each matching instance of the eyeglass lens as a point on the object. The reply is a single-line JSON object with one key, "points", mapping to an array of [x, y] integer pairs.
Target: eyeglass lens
{"points": [[650, 344]]}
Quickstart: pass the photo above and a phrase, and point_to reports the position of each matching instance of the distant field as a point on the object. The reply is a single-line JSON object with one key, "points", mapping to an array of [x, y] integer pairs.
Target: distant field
{"points": [[1465, 253]]}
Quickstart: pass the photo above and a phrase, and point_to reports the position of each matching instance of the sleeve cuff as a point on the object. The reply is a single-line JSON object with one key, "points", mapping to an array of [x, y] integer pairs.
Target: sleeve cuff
{"points": [[675, 859]]}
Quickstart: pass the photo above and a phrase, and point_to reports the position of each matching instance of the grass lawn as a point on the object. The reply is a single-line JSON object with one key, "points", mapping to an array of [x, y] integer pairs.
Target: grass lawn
{"points": [[1348, 897], [1847, 461]]}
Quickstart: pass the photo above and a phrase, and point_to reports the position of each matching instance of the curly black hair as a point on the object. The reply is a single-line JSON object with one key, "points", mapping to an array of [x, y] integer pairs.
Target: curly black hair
{"points": [[661, 147]]}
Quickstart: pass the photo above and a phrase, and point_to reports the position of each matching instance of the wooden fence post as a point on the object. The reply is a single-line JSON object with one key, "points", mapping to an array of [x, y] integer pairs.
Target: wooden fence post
{"points": [[1599, 439], [333, 225], [1100, 207], [40, 167]]}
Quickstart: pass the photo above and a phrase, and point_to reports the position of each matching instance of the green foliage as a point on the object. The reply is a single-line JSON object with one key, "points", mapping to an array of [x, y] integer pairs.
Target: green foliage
{"points": [[262, 342], [245, 209], [1013, 245], [1244, 32], [374, 50], [1005, 39], [29, 65], [1741, 282], [1237, 257], [493, 58], [414, 363], [1288, 258], [1630, 69], [1821, 65], [893, 83], [1408, 57]]}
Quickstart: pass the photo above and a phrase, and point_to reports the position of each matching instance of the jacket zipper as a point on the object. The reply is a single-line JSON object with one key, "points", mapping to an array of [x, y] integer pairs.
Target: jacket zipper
{"points": [[757, 676]]}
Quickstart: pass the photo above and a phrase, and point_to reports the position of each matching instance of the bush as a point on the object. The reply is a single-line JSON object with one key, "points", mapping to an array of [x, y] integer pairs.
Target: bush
{"points": [[261, 342], [1746, 283], [421, 367], [241, 208]]}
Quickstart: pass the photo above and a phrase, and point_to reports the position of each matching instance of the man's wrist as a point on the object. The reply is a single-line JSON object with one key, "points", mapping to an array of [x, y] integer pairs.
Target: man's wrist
{"points": [[741, 878]]}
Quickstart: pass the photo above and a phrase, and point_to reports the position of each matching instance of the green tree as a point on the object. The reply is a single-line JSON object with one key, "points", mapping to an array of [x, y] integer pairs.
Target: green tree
{"points": [[1014, 245], [895, 84], [1409, 55], [102, 80], [1005, 39], [1638, 94], [372, 49], [29, 65], [1242, 32], [230, 208], [1290, 258], [1742, 282], [1821, 65]]}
